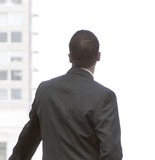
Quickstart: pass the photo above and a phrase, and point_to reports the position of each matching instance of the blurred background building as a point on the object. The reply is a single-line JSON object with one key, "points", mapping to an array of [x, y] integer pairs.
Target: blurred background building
{"points": [[15, 71], [126, 32]]}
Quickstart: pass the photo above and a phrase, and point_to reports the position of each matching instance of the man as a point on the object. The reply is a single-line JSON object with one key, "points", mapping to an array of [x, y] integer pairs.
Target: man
{"points": [[75, 117]]}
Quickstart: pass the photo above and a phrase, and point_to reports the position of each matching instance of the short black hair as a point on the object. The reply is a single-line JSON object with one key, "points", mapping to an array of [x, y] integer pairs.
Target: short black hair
{"points": [[84, 47]]}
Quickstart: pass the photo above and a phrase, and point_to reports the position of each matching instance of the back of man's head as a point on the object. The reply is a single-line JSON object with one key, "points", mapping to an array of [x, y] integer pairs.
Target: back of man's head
{"points": [[84, 47]]}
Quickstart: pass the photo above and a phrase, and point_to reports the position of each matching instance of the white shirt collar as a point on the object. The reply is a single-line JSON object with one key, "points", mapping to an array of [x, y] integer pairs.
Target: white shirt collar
{"points": [[88, 71]]}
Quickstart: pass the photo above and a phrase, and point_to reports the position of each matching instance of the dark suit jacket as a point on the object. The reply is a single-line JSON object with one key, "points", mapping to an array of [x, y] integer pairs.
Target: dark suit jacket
{"points": [[75, 117]]}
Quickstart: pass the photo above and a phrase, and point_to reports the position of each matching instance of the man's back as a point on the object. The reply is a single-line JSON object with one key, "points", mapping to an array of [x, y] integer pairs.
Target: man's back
{"points": [[68, 109], [74, 116]]}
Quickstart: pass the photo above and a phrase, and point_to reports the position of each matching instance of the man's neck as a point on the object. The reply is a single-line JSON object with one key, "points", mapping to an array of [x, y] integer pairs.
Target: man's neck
{"points": [[90, 69]]}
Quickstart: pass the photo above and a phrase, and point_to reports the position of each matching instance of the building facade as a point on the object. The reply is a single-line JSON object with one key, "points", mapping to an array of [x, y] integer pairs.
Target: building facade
{"points": [[15, 71]]}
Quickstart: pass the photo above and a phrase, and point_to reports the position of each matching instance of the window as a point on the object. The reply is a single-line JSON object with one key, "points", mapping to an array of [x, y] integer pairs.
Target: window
{"points": [[12, 18], [16, 56], [10, 56], [3, 57], [16, 93], [3, 94], [2, 1], [3, 37], [17, 1], [2, 151], [3, 75], [16, 75], [16, 36], [15, 18], [3, 18]]}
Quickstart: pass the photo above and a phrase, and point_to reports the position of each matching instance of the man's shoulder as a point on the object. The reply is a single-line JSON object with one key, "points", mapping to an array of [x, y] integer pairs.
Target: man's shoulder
{"points": [[103, 89], [52, 80]]}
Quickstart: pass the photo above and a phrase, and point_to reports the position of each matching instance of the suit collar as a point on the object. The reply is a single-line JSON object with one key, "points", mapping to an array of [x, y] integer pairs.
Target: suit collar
{"points": [[88, 71], [80, 71]]}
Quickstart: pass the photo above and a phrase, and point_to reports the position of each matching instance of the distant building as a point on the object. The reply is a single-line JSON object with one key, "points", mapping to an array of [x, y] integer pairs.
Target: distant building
{"points": [[15, 71]]}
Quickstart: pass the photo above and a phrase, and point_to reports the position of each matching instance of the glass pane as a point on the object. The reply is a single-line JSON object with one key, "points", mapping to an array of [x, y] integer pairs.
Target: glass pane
{"points": [[16, 37], [3, 57], [3, 93], [16, 94], [3, 37], [17, 1], [16, 75], [3, 1], [16, 56], [3, 75], [3, 18], [15, 18], [2, 151]]}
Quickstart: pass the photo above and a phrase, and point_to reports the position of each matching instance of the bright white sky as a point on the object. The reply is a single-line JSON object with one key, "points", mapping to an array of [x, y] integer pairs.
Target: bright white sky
{"points": [[126, 31]]}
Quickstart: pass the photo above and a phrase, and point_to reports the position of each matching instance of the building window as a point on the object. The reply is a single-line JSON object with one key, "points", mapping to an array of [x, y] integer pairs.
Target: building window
{"points": [[3, 18], [2, 151], [3, 75], [12, 18], [16, 93], [11, 56], [2, 1], [3, 57], [3, 93], [16, 56], [16, 37], [15, 18], [17, 1], [16, 75], [3, 37]]}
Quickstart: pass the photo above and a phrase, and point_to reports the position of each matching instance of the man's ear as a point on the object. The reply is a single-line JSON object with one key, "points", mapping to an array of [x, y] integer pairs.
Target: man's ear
{"points": [[98, 56], [70, 58]]}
